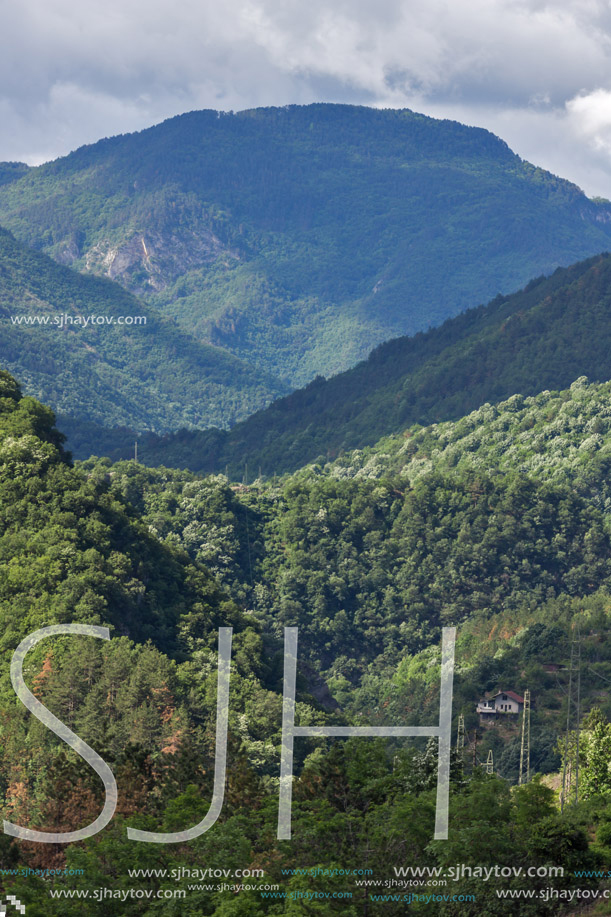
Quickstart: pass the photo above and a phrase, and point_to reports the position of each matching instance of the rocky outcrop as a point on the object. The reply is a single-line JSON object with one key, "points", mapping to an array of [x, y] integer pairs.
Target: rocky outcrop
{"points": [[148, 261]]}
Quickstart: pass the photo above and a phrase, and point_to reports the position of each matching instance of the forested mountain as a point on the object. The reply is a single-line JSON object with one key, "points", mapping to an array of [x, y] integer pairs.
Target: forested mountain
{"points": [[498, 522], [497, 512], [367, 557], [545, 336], [136, 369], [300, 237]]}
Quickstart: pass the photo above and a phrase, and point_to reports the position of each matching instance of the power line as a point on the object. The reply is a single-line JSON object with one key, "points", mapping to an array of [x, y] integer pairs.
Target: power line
{"points": [[594, 672]]}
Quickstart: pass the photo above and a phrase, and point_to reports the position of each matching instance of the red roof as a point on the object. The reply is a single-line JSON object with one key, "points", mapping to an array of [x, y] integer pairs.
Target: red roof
{"points": [[512, 695]]}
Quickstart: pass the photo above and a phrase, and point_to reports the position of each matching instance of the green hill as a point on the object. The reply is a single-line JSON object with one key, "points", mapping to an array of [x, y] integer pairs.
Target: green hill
{"points": [[146, 376], [545, 336], [299, 238], [498, 523], [367, 568]]}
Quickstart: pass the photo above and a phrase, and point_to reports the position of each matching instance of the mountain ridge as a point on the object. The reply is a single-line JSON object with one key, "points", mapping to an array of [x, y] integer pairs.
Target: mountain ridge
{"points": [[298, 238], [543, 337]]}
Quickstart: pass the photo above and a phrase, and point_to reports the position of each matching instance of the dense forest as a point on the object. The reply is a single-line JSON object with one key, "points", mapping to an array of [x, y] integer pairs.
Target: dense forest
{"points": [[498, 523], [545, 336], [143, 375], [298, 238]]}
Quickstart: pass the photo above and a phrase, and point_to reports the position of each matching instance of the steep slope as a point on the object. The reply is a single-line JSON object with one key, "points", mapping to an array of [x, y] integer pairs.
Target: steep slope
{"points": [[301, 237], [70, 552], [547, 335], [129, 367]]}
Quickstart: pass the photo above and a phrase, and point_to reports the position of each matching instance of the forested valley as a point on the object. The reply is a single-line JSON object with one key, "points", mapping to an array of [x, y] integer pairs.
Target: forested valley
{"points": [[497, 523]]}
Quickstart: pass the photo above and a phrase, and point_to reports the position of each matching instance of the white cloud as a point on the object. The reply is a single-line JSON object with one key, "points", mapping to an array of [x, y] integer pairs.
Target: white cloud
{"points": [[591, 115], [537, 73]]}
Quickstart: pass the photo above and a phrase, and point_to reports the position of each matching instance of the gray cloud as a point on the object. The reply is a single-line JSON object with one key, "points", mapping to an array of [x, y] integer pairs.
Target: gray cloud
{"points": [[536, 73]]}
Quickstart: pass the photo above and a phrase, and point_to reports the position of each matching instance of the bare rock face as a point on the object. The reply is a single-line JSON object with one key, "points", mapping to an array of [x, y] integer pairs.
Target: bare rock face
{"points": [[148, 261]]}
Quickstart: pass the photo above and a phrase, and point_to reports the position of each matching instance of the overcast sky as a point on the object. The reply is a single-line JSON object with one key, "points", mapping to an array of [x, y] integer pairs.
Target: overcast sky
{"points": [[537, 74]]}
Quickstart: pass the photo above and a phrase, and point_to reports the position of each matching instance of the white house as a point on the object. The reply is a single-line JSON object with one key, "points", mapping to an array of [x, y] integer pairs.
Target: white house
{"points": [[502, 703]]}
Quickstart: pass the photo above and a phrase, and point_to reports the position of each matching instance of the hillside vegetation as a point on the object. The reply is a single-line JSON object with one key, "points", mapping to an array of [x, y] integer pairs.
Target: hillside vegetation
{"points": [[509, 505], [499, 522], [552, 436], [145, 375], [298, 238], [367, 563], [543, 337]]}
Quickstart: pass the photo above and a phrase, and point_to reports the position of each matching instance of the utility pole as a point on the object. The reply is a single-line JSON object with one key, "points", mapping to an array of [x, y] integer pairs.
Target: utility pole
{"points": [[460, 742], [568, 732], [475, 750], [570, 766], [525, 747], [489, 765], [136, 452], [460, 739]]}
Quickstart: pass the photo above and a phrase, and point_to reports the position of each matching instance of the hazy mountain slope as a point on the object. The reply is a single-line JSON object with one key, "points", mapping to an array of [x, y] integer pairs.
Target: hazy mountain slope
{"points": [[149, 376], [301, 237], [545, 336]]}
